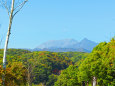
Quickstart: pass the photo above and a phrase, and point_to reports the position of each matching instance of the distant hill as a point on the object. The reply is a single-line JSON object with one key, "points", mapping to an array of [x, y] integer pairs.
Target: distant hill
{"points": [[67, 45]]}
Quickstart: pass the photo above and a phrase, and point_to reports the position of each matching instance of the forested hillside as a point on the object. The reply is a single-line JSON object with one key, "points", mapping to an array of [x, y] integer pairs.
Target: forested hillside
{"points": [[43, 67], [98, 69], [57, 43], [60, 69]]}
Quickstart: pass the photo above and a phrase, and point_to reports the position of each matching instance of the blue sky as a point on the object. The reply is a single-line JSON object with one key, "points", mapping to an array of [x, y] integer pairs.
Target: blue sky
{"points": [[43, 20]]}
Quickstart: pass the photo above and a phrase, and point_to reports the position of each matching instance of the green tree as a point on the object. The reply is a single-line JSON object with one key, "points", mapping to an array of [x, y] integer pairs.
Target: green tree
{"points": [[68, 77], [51, 80], [99, 64]]}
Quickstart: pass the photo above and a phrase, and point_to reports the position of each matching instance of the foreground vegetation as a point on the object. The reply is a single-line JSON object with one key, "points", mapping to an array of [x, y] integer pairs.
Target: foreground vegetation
{"points": [[60, 69], [99, 64], [43, 67]]}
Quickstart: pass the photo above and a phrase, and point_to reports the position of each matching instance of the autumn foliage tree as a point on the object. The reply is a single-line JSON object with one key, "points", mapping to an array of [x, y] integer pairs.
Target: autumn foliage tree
{"points": [[15, 74]]}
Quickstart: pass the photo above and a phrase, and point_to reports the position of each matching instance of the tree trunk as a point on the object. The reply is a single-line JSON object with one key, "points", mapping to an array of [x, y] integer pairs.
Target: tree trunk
{"points": [[29, 76], [7, 39], [94, 81], [8, 35], [83, 83], [87, 83]]}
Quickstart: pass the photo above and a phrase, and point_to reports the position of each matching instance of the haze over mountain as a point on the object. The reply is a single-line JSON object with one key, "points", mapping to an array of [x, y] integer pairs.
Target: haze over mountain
{"points": [[66, 45]]}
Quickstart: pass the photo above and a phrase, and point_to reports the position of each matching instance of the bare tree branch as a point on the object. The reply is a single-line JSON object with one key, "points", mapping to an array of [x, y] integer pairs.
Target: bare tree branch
{"points": [[1, 40], [20, 7], [4, 4], [20, 4]]}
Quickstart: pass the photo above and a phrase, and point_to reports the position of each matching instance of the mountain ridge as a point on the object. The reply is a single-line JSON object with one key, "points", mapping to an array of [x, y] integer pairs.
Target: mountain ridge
{"points": [[67, 45]]}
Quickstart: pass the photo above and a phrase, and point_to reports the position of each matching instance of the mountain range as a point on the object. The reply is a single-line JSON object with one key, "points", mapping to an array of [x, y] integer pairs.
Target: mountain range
{"points": [[67, 45]]}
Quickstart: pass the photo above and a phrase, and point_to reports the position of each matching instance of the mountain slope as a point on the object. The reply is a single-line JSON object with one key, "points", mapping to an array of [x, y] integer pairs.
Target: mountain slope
{"points": [[87, 44], [67, 45]]}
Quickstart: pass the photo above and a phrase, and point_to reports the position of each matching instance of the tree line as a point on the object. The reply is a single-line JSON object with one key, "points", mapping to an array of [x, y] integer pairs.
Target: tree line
{"points": [[60, 69], [98, 69], [32, 68]]}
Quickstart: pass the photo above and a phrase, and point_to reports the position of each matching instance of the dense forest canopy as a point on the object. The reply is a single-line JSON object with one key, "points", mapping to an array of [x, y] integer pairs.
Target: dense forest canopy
{"points": [[37, 67], [99, 64], [60, 68]]}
